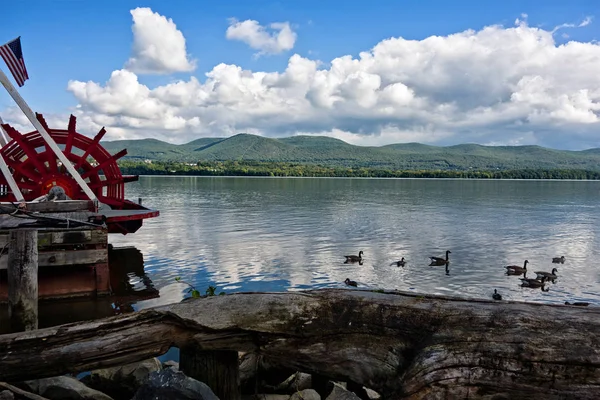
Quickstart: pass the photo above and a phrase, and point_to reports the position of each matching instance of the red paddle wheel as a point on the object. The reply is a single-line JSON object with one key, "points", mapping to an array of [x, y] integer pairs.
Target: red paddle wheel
{"points": [[36, 169]]}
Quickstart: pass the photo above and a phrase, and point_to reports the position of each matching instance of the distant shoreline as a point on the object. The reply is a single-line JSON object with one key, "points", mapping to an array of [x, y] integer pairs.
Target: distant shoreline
{"points": [[279, 169]]}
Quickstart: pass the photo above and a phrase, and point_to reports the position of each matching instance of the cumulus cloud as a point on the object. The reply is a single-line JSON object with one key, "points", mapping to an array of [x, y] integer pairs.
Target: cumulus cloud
{"points": [[158, 46], [498, 85], [280, 38]]}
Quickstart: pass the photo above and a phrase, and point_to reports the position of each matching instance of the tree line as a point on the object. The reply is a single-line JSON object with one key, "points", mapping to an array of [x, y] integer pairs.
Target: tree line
{"points": [[260, 168]]}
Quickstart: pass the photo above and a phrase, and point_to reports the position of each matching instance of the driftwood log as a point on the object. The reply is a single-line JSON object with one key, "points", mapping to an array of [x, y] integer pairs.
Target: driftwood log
{"points": [[401, 345]]}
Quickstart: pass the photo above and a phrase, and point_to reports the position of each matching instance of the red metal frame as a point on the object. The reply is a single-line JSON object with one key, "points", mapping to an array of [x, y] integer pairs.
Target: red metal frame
{"points": [[36, 169]]}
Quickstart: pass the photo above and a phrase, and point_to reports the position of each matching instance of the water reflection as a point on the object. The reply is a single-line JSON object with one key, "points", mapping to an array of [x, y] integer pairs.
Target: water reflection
{"points": [[130, 286], [286, 234], [249, 234]]}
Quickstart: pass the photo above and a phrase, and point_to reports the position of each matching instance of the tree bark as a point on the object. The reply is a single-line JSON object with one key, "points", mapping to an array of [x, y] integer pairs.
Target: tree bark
{"points": [[401, 345]]}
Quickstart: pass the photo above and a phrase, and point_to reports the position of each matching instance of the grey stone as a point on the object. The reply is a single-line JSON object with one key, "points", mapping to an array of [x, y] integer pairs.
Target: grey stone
{"points": [[169, 384], [306, 394], [64, 387], [340, 393], [7, 395], [295, 383], [302, 381], [123, 381], [373, 395], [171, 364]]}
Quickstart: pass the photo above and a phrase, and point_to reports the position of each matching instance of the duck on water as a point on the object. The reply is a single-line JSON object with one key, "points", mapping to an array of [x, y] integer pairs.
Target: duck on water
{"points": [[534, 283], [350, 283], [516, 270], [440, 260], [496, 295], [400, 263], [353, 258], [549, 275]]}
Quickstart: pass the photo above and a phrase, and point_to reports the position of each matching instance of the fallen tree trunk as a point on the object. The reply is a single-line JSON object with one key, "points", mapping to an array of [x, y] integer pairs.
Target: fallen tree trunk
{"points": [[401, 345]]}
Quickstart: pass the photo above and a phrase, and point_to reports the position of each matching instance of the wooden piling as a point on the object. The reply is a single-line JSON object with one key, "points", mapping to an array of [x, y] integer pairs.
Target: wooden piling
{"points": [[23, 279], [219, 369]]}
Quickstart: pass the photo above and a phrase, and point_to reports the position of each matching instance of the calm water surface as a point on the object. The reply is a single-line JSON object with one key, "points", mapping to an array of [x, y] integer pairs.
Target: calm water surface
{"points": [[276, 234]]}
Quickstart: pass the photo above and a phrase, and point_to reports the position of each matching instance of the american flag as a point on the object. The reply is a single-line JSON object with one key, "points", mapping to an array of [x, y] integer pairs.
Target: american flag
{"points": [[13, 57]]}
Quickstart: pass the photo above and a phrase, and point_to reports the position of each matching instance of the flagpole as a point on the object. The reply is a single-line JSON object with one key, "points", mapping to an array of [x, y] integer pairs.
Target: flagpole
{"points": [[4, 167], [42, 131]]}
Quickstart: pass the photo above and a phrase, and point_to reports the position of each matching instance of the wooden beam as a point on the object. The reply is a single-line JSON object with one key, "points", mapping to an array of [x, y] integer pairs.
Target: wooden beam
{"points": [[22, 265], [61, 258], [66, 237], [402, 345], [54, 206], [217, 368]]}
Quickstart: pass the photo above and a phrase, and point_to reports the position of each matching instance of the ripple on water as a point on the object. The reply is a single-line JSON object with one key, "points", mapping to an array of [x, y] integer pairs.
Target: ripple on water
{"points": [[283, 234]]}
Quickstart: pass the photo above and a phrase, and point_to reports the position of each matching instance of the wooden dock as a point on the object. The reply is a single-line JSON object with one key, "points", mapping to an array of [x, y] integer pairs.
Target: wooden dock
{"points": [[72, 256]]}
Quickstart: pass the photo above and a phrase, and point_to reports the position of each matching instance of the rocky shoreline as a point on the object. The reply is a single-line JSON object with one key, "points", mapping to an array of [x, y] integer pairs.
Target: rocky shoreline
{"points": [[153, 380]]}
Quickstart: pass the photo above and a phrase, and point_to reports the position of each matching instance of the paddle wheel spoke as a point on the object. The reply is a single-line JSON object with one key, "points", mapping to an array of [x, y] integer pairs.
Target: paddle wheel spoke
{"points": [[91, 147], [104, 164], [71, 129], [22, 169], [29, 151], [36, 169]]}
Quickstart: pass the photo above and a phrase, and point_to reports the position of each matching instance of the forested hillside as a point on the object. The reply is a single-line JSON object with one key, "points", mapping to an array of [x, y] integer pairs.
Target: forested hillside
{"points": [[324, 151]]}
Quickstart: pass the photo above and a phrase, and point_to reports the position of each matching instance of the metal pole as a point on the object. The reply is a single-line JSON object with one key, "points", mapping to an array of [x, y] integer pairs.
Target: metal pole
{"points": [[9, 178], [42, 131]]}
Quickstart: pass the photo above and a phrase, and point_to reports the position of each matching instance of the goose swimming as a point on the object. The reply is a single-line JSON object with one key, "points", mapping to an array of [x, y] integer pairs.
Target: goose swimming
{"points": [[440, 260], [550, 275], [516, 270], [354, 258]]}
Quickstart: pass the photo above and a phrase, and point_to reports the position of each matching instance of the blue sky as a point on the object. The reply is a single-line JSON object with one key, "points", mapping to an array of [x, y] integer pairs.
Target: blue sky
{"points": [[86, 41]]}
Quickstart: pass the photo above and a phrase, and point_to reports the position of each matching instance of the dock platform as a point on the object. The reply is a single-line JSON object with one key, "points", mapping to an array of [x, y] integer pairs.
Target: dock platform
{"points": [[72, 249]]}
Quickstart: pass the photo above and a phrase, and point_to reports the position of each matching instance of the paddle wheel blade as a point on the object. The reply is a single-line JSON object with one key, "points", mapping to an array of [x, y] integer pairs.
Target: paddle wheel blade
{"points": [[36, 170]]}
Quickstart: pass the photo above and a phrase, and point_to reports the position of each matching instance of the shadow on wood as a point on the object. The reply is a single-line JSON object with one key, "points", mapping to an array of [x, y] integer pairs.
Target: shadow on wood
{"points": [[402, 345]]}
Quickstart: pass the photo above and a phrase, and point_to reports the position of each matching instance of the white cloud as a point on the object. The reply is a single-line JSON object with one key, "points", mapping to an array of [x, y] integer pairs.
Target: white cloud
{"points": [[585, 22], [281, 37], [496, 85], [158, 46]]}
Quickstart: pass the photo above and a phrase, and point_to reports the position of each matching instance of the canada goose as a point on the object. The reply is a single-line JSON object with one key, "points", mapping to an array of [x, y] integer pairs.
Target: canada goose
{"points": [[440, 260], [552, 275], [496, 295], [400, 263], [350, 283], [529, 282], [354, 258], [516, 270], [557, 260], [578, 303]]}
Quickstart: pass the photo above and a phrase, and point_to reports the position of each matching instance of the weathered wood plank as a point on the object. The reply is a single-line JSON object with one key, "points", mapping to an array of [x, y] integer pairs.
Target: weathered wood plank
{"points": [[102, 272], [217, 368], [22, 265], [401, 345], [8, 222], [54, 206], [63, 237], [60, 258]]}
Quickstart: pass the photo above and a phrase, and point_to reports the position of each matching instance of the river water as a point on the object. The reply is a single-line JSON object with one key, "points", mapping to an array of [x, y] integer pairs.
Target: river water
{"points": [[276, 234], [279, 234]]}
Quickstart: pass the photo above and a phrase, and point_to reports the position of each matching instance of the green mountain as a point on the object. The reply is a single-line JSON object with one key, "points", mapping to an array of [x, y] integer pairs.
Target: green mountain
{"points": [[333, 152]]}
